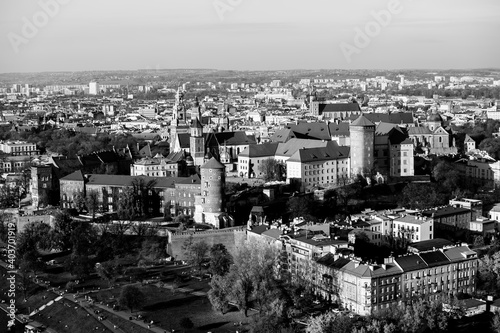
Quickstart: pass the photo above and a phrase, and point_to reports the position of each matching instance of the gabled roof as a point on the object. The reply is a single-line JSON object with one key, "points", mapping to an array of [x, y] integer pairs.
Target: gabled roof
{"points": [[362, 121], [282, 135], [468, 138], [397, 136], [312, 130], [289, 148], [237, 138], [431, 244], [262, 150], [384, 128], [418, 130], [340, 129], [332, 151]]}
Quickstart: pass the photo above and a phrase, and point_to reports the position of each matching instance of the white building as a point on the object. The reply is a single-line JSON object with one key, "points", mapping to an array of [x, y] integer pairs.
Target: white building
{"points": [[93, 88], [413, 228]]}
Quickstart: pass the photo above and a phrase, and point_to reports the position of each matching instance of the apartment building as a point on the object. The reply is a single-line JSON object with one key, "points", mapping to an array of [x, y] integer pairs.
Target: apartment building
{"points": [[18, 148]]}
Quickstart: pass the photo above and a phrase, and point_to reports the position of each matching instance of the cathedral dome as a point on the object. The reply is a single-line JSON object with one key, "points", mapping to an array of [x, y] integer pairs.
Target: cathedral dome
{"points": [[435, 117]]}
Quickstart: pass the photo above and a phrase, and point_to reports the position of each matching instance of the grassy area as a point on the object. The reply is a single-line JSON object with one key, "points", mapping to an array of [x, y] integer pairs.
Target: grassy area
{"points": [[62, 316], [166, 309], [123, 324]]}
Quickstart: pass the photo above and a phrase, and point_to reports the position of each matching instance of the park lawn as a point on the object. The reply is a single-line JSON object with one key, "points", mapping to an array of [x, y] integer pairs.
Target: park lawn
{"points": [[63, 317], [168, 313], [166, 308], [124, 324]]}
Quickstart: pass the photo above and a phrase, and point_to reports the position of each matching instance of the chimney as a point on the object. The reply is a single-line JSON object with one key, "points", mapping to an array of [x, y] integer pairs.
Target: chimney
{"points": [[384, 266]]}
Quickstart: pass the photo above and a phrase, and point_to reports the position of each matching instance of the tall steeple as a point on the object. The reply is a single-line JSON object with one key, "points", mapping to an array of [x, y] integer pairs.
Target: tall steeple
{"points": [[178, 123]]}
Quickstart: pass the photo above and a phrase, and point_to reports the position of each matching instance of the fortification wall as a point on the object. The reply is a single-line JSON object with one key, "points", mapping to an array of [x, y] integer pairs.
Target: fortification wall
{"points": [[232, 238]]}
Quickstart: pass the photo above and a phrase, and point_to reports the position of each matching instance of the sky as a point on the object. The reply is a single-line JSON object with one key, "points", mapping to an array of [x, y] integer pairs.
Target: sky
{"points": [[82, 35]]}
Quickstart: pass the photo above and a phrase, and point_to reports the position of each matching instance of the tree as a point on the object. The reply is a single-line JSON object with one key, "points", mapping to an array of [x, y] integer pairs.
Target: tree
{"points": [[108, 271], [272, 170], [131, 297], [419, 196], [5, 220], [196, 253], [495, 322], [61, 233], [34, 236], [219, 293], [220, 259], [301, 207], [329, 322], [186, 323], [92, 203]]}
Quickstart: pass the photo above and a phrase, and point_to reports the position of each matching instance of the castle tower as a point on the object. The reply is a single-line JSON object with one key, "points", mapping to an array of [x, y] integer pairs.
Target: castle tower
{"points": [[178, 124], [209, 205], [362, 146], [197, 142]]}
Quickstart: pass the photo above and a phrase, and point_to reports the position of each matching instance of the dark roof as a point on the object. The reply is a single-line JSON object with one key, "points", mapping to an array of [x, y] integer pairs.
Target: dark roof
{"points": [[340, 129], [213, 164], [397, 136], [184, 139], [339, 107], [282, 135], [77, 175], [119, 180], [431, 244], [392, 118], [434, 258], [410, 263], [362, 121], [330, 261], [445, 211], [313, 130], [230, 138], [330, 152], [262, 150]]}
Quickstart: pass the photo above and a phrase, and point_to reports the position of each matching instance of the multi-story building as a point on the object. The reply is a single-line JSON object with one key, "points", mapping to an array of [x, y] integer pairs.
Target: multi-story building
{"points": [[18, 148], [449, 217], [155, 167], [42, 185], [251, 159], [413, 228], [327, 166]]}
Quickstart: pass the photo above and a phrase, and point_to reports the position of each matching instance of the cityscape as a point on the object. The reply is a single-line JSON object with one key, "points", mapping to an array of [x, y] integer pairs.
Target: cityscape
{"points": [[237, 166]]}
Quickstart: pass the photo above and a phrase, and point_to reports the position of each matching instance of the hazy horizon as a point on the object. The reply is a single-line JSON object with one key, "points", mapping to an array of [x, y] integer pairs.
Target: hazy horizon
{"points": [[246, 35]]}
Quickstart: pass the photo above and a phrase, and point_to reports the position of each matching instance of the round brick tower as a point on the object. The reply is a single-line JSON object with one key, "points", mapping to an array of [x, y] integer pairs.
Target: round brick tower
{"points": [[362, 146], [213, 181]]}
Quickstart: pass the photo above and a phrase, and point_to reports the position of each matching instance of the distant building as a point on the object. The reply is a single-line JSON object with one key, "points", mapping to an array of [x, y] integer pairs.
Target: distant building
{"points": [[17, 148], [93, 88]]}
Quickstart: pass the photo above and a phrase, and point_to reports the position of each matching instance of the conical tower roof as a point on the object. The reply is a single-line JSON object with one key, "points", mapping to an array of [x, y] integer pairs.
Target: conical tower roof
{"points": [[362, 121], [213, 164]]}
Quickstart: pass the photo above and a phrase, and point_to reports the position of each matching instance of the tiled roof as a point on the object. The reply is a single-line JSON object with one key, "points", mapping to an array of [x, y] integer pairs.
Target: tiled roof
{"points": [[332, 151], [290, 147], [393, 118], [119, 180], [340, 129], [431, 244], [230, 138], [313, 130], [418, 131], [262, 150], [459, 253]]}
